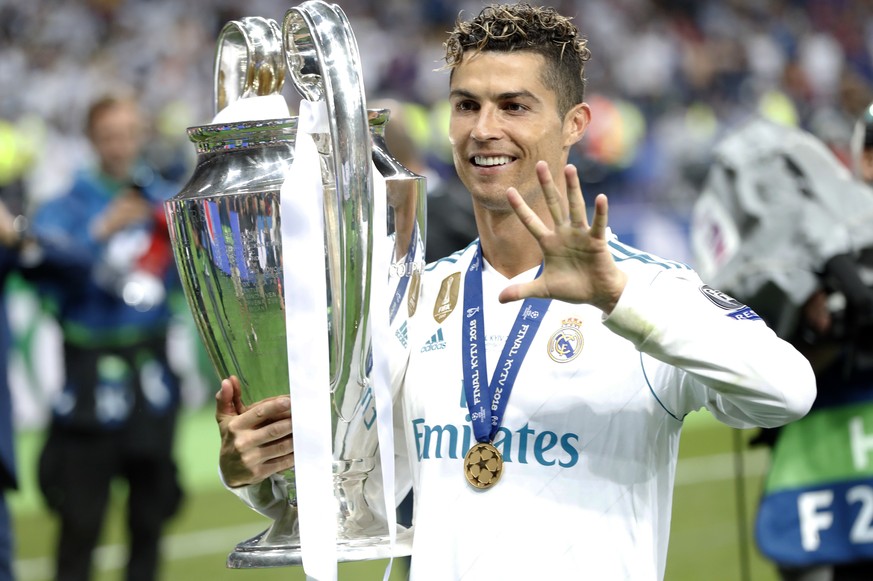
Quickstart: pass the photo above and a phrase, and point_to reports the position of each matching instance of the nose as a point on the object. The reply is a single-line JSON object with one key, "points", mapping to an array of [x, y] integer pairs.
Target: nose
{"points": [[486, 126]]}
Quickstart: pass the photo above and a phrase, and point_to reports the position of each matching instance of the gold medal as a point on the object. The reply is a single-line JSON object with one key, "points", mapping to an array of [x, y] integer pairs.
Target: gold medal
{"points": [[483, 465]]}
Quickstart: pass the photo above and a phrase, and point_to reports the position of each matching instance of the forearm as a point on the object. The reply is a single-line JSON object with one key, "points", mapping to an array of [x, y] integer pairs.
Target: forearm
{"points": [[745, 371]]}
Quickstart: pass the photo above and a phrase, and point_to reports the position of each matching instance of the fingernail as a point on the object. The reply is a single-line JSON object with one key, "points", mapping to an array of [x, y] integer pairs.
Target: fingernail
{"points": [[284, 403]]}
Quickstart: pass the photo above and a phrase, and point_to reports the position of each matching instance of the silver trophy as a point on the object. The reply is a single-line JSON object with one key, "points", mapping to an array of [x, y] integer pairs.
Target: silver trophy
{"points": [[226, 236]]}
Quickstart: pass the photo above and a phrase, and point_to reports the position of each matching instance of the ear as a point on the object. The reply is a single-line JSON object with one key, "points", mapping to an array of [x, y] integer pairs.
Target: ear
{"points": [[575, 123]]}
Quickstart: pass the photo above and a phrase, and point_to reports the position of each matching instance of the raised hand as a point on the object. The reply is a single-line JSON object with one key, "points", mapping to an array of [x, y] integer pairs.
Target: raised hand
{"points": [[256, 441], [579, 267]]}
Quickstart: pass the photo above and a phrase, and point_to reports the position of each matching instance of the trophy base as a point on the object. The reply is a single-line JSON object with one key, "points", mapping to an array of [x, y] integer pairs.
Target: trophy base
{"points": [[257, 552]]}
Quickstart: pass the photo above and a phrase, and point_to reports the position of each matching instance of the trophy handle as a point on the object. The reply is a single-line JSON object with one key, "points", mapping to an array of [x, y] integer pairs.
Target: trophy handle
{"points": [[407, 196], [323, 61], [249, 60]]}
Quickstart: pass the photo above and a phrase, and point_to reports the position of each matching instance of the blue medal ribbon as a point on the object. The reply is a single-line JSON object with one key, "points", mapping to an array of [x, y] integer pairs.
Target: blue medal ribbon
{"points": [[487, 400]]}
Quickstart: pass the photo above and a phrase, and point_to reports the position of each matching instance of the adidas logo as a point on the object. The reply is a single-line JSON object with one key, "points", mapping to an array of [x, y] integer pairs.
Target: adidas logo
{"points": [[402, 334], [435, 343]]}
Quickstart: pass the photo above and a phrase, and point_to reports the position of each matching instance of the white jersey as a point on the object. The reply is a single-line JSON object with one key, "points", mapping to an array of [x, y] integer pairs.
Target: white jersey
{"points": [[591, 431]]}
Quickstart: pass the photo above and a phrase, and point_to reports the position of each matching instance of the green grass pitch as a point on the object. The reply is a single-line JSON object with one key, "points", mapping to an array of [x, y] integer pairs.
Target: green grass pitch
{"points": [[706, 542]]}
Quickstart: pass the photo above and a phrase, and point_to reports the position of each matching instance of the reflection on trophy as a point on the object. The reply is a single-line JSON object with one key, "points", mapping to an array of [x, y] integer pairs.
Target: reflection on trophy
{"points": [[225, 227]]}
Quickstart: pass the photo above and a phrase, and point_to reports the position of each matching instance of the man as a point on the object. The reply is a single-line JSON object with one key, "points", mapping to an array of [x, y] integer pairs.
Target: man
{"points": [[116, 415], [543, 436]]}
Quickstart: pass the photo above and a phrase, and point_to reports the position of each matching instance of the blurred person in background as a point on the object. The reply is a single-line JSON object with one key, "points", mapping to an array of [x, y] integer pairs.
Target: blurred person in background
{"points": [[20, 254], [783, 226], [116, 414]]}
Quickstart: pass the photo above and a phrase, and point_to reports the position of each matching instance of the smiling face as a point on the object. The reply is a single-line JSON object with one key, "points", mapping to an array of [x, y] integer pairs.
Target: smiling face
{"points": [[504, 120]]}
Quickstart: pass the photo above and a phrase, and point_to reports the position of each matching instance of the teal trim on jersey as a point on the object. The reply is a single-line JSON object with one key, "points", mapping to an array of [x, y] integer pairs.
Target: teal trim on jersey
{"points": [[629, 253], [821, 448], [652, 391], [451, 258]]}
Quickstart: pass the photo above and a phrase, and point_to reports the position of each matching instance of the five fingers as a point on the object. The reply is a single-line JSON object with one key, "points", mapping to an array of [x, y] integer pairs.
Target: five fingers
{"points": [[576, 212]]}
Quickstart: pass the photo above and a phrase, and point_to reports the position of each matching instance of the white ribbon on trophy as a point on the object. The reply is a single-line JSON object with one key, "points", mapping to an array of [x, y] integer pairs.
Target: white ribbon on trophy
{"points": [[303, 259], [304, 290], [257, 108]]}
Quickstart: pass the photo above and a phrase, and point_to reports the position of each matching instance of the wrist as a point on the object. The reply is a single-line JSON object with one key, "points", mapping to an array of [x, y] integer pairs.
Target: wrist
{"points": [[617, 289]]}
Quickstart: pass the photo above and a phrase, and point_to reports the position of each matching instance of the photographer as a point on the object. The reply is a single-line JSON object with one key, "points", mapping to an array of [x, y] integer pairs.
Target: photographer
{"points": [[785, 228], [115, 417]]}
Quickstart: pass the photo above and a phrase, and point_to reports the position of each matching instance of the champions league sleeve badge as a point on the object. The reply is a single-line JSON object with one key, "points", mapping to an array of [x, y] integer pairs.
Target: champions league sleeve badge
{"points": [[722, 300], [566, 343]]}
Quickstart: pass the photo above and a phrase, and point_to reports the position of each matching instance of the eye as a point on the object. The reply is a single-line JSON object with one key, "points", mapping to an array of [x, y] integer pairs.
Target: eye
{"points": [[514, 107], [466, 105]]}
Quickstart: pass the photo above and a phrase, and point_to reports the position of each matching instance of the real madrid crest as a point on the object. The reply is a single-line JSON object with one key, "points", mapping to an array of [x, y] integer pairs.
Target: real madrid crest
{"points": [[567, 342]]}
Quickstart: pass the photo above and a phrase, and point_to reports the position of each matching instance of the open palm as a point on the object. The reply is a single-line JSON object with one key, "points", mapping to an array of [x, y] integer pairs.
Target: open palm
{"points": [[578, 267]]}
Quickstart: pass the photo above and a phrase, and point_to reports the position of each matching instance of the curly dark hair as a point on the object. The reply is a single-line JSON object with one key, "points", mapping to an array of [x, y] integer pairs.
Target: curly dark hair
{"points": [[523, 27]]}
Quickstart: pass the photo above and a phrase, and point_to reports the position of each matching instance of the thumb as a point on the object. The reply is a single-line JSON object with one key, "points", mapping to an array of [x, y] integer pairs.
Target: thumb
{"points": [[226, 399], [517, 292]]}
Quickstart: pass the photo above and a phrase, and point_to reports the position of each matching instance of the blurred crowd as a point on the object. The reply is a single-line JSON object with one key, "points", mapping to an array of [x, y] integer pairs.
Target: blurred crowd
{"points": [[667, 77]]}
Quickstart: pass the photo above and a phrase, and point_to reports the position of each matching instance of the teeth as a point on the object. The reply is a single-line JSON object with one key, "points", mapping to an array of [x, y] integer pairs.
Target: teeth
{"points": [[497, 160]]}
